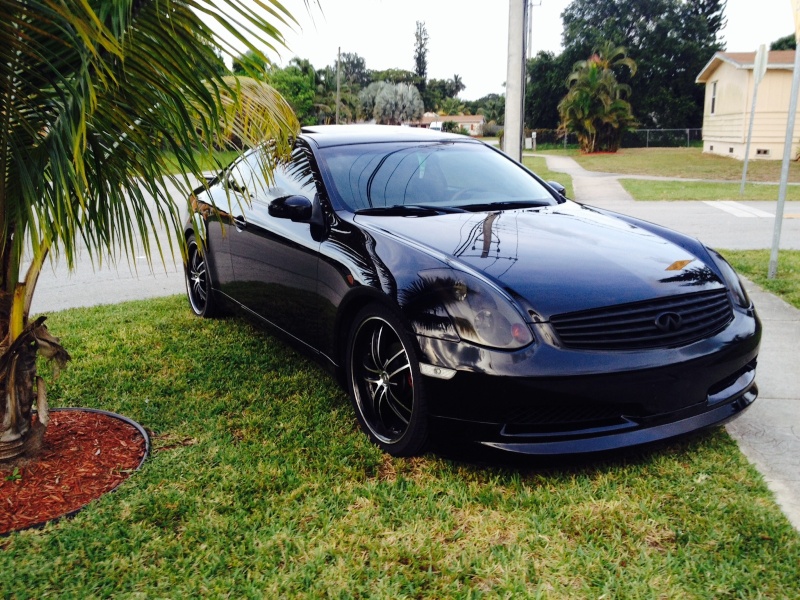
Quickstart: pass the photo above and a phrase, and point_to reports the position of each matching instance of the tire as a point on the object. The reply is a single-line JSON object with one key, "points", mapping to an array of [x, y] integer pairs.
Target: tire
{"points": [[385, 383], [198, 281]]}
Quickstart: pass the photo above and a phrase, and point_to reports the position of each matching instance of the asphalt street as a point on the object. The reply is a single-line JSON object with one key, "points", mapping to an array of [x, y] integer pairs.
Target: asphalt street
{"points": [[129, 278]]}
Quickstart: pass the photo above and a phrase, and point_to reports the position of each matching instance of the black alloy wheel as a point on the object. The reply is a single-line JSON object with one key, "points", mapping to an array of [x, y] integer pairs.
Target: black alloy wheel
{"points": [[385, 384], [198, 281]]}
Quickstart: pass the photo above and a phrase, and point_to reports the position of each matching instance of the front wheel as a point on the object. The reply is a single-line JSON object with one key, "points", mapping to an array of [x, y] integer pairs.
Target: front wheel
{"points": [[385, 384], [198, 281]]}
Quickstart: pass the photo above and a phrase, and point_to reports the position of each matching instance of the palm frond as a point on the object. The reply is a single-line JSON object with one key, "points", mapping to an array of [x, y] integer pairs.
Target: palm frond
{"points": [[93, 93]]}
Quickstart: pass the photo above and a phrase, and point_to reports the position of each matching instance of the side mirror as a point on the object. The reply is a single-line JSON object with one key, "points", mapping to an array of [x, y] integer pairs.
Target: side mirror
{"points": [[560, 189], [296, 208]]}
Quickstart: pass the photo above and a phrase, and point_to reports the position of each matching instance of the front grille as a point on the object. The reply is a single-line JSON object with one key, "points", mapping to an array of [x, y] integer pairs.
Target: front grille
{"points": [[634, 326]]}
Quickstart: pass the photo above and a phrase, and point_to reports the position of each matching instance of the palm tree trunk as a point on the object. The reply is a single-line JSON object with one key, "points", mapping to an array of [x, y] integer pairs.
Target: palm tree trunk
{"points": [[18, 435], [20, 386]]}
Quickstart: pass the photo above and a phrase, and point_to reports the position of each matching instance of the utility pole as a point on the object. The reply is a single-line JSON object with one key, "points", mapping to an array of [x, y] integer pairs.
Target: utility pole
{"points": [[338, 80], [515, 78]]}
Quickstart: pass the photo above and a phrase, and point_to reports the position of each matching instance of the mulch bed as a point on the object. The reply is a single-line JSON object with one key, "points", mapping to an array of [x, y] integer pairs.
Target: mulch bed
{"points": [[84, 455]]}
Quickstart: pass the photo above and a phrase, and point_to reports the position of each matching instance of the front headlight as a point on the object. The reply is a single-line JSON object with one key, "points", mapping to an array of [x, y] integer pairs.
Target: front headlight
{"points": [[476, 311], [731, 279]]}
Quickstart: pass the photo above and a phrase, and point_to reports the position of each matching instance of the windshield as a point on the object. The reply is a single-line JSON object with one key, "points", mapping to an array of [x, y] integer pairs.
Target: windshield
{"points": [[466, 176]]}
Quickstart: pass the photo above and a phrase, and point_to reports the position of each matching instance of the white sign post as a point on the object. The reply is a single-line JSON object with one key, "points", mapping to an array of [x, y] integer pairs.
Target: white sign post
{"points": [[787, 149], [759, 69]]}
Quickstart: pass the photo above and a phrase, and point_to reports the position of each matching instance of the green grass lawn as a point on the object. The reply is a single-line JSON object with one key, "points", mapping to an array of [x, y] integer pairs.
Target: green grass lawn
{"points": [[261, 485], [538, 165], [208, 162], [754, 265], [688, 163], [645, 189]]}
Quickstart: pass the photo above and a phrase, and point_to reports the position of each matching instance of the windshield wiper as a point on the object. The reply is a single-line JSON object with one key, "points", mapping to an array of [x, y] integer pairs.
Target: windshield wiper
{"points": [[419, 210], [504, 205]]}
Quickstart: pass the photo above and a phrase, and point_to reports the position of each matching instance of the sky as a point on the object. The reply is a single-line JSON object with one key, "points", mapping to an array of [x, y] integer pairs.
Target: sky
{"points": [[467, 37]]}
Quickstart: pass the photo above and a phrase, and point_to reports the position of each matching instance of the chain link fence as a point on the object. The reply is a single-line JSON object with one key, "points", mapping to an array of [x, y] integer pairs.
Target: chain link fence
{"points": [[663, 138], [544, 139]]}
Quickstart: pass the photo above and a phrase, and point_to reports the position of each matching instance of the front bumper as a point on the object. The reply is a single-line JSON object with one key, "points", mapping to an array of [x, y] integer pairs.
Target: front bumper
{"points": [[605, 410], [581, 428], [643, 431]]}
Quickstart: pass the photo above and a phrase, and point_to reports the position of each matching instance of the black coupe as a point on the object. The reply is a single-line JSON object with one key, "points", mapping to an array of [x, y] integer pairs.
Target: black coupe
{"points": [[448, 285]]}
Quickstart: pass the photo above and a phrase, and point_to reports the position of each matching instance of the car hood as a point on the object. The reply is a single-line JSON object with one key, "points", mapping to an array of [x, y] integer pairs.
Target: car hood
{"points": [[558, 259]]}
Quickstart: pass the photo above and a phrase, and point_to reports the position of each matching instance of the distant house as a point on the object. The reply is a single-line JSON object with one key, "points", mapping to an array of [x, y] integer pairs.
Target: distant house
{"points": [[472, 123], [728, 78]]}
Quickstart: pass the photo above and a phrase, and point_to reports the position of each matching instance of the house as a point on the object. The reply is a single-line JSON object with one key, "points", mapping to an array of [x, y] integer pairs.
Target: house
{"points": [[472, 123], [728, 78]]}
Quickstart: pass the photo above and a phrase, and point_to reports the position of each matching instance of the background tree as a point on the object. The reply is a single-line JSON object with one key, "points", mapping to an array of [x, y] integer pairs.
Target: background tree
{"points": [[595, 108], [547, 76], [397, 103], [299, 86], [785, 43], [451, 107], [491, 106], [421, 57], [421, 51], [92, 94], [436, 90], [439, 90], [671, 39], [455, 86], [250, 64], [393, 76], [325, 98], [354, 70], [367, 97]]}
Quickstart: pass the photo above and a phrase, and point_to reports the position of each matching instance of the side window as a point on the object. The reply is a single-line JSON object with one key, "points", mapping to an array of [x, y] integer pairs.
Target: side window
{"points": [[240, 175], [289, 178], [713, 97]]}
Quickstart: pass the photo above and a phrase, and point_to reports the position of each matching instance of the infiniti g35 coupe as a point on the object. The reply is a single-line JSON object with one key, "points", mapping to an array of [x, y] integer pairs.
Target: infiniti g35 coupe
{"points": [[450, 287]]}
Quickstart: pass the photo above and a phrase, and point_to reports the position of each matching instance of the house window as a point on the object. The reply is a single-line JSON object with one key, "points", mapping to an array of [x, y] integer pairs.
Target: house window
{"points": [[713, 97], [762, 152]]}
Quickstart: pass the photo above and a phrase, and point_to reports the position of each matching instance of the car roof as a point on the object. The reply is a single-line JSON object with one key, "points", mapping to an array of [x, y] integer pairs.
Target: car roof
{"points": [[339, 135]]}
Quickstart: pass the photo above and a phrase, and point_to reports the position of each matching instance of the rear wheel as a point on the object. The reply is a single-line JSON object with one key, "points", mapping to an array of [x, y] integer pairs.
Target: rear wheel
{"points": [[198, 281], [385, 383]]}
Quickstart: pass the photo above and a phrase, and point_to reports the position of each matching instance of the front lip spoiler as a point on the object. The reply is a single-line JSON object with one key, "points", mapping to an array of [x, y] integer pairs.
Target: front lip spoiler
{"points": [[717, 415]]}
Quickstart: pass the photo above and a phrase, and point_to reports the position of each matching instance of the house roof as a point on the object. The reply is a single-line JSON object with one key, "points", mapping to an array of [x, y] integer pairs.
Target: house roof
{"points": [[776, 59], [460, 119]]}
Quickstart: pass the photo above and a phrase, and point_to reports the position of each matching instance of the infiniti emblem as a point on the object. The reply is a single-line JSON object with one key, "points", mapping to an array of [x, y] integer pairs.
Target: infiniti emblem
{"points": [[669, 321]]}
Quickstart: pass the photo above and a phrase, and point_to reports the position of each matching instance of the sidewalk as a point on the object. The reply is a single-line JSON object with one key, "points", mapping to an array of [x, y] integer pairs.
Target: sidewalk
{"points": [[768, 433]]}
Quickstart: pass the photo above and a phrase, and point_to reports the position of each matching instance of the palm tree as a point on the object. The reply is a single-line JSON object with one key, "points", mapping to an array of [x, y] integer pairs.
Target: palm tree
{"points": [[92, 95], [451, 106], [494, 110], [596, 107], [455, 85]]}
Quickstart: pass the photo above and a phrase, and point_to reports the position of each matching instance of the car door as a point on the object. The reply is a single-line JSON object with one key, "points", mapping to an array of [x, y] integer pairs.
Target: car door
{"points": [[215, 208], [275, 260]]}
